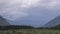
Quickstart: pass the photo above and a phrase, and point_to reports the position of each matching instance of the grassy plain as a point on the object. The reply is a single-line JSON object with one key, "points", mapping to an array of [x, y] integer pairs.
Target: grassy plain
{"points": [[30, 31]]}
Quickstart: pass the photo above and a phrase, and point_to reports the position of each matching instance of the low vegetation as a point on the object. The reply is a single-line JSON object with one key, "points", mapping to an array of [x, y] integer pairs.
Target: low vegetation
{"points": [[30, 31]]}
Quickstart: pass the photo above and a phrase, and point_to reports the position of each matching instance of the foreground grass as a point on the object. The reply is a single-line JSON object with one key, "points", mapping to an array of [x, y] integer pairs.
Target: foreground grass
{"points": [[31, 31]]}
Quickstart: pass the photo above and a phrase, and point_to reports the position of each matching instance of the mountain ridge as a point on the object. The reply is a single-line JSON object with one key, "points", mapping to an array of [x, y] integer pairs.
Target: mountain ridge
{"points": [[53, 22], [3, 21]]}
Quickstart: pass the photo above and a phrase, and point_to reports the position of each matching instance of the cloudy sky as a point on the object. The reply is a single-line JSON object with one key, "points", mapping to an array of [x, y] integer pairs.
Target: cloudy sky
{"points": [[29, 12]]}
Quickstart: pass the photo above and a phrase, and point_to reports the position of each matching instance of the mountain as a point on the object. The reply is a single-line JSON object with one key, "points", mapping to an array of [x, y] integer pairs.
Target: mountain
{"points": [[5, 25], [53, 22], [30, 20], [3, 22]]}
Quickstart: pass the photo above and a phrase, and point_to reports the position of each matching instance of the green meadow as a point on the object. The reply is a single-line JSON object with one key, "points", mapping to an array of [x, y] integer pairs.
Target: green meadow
{"points": [[30, 31]]}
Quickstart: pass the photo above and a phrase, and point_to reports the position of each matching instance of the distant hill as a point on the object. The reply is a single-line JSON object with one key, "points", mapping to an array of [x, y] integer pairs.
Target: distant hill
{"points": [[3, 22], [53, 22], [5, 25]]}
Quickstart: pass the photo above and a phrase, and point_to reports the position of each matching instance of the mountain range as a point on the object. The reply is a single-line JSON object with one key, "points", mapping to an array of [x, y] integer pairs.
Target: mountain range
{"points": [[54, 22]]}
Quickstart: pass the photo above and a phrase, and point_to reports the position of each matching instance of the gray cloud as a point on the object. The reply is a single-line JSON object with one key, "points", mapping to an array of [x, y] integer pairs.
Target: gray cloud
{"points": [[13, 9]]}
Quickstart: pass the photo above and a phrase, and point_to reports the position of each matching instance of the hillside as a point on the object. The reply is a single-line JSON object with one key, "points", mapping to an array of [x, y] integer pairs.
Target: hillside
{"points": [[3, 22], [53, 22]]}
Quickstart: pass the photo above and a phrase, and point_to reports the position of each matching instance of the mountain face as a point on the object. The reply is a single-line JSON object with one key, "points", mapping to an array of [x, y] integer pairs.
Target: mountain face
{"points": [[3, 22], [53, 22]]}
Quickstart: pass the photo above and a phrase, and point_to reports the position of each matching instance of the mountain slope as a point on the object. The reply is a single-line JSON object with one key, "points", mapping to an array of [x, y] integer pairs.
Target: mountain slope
{"points": [[3, 22], [53, 22]]}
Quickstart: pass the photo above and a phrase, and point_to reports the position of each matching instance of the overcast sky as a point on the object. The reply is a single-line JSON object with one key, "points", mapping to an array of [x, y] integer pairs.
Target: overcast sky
{"points": [[31, 12]]}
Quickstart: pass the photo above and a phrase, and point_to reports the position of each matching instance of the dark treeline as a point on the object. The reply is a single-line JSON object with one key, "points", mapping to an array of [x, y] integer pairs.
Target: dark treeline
{"points": [[15, 27], [55, 27], [26, 27]]}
